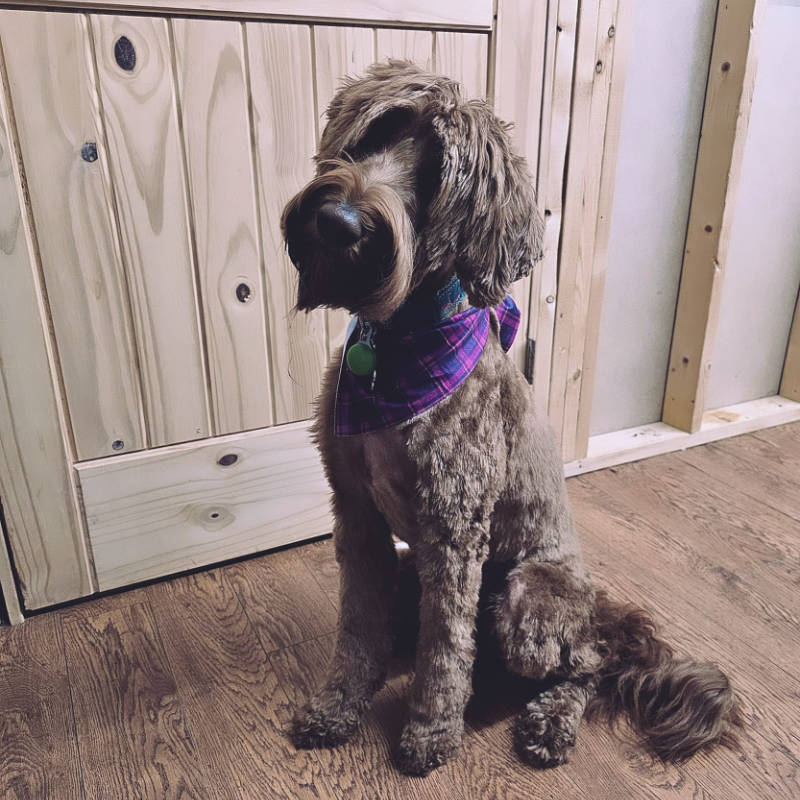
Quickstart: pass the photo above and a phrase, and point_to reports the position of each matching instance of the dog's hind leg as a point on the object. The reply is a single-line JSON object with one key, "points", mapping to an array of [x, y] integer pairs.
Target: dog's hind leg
{"points": [[367, 564], [543, 621]]}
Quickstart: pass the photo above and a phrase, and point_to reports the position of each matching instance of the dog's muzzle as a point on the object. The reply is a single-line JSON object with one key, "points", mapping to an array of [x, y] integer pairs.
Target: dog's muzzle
{"points": [[338, 224]]}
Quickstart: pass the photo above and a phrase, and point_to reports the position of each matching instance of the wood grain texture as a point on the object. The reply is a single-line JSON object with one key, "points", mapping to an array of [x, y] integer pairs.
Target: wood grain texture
{"points": [[416, 46], [177, 508], [455, 13], [338, 53], [284, 130], [132, 732], [231, 693], [590, 91], [56, 110], [464, 57], [39, 503], [519, 56], [147, 168], [216, 131], [729, 96], [38, 754], [790, 379]]}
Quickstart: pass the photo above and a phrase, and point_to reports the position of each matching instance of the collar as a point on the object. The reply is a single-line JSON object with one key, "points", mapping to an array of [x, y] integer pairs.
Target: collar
{"points": [[421, 357]]}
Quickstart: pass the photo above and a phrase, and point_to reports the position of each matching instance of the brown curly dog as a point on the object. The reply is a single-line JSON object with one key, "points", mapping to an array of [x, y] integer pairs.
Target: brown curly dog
{"points": [[416, 187]]}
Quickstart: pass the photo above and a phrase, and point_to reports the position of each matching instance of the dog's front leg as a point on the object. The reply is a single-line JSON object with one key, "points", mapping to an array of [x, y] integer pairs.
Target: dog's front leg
{"points": [[450, 579], [367, 563]]}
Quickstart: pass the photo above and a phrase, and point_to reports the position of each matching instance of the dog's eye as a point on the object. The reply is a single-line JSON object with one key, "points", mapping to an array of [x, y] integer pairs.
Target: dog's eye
{"points": [[384, 130]]}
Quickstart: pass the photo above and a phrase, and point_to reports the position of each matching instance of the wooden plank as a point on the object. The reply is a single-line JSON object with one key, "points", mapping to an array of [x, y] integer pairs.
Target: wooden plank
{"points": [[178, 507], [226, 682], [214, 107], [40, 505], [644, 441], [445, 13], [416, 46], [519, 54], [131, 727], [592, 78], [54, 98], [464, 57], [284, 131], [38, 750], [556, 100], [622, 29], [8, 586], [147, 168], [790, 379], [722, 139], [338, 53]]}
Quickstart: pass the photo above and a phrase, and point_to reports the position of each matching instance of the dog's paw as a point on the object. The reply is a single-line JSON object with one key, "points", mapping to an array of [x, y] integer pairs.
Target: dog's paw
{"points": [[422, 749], [545, 732], [322, 724]]}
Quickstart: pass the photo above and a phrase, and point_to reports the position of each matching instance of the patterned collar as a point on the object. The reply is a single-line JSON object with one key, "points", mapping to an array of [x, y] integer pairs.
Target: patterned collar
{"points": [[423, 356]]}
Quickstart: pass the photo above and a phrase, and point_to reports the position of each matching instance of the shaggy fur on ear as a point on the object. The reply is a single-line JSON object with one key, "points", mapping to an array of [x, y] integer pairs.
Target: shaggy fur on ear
{"points": [[484, 215]]}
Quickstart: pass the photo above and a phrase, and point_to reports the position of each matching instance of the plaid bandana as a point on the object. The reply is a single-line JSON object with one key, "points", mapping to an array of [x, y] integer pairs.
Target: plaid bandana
{"points": [[417, 368]]}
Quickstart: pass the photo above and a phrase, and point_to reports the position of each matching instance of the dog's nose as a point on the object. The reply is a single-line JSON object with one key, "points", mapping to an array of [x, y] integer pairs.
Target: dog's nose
{"points": [[338, 224]]}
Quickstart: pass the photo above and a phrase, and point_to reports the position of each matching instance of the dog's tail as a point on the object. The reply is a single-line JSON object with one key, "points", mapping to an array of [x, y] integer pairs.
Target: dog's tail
{"points": [[677, 707]]}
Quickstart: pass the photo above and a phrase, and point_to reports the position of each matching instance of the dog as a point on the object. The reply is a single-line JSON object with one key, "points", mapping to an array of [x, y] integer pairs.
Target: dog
{"points": [[418, 220]]}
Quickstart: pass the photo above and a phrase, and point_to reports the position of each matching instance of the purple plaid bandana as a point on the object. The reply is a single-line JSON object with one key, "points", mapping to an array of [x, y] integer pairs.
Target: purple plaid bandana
{"points": [[416, 369]]}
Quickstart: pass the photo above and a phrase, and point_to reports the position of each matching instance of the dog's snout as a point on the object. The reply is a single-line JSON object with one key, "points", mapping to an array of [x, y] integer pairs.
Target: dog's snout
{"points": [[338, 224]]}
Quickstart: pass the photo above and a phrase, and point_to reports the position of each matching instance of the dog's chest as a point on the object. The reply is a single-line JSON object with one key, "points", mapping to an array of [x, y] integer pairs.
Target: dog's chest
{"points": [[392, 481]]}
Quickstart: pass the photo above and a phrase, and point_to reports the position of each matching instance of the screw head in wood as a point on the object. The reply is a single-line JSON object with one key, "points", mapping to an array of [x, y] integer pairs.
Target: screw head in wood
{"points": [[612, 32], [89, 151], [228, 460], [117, 444], [125, 53], [550, 299], [244, 294], [598, 67]]}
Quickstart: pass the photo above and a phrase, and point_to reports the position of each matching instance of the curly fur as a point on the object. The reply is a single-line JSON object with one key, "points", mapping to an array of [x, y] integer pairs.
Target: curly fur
{"points": [[475, 485]]}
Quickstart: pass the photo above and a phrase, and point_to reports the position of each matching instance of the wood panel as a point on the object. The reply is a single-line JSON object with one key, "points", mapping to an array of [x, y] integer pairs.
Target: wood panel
{"points": [[518, 72], [131, 728], [38, 751], [338, 53], [148, 172], [38, 496], [590, 92], [719, 159], [284, 130], [416, 46], [214, 107], [449, 13], [184, 506], [55, 105], [790, 379], [463, 56], [556, 98]]}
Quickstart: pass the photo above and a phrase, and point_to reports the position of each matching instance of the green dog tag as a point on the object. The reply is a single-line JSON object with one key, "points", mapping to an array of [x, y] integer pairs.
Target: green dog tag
{"points": [[360, 359]]}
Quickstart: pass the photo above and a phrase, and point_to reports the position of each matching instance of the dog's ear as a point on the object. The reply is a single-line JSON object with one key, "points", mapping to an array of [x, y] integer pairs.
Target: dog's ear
{"points": [[484, 216]]}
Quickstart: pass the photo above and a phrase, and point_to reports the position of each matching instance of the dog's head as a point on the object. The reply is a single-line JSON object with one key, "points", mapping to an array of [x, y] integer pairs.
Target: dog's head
{"points": [[413, 185]]}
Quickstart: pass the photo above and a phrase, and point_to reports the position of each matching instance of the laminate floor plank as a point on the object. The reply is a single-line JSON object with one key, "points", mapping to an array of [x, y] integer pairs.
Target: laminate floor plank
{"points": [[38, 752], [132, 733]]}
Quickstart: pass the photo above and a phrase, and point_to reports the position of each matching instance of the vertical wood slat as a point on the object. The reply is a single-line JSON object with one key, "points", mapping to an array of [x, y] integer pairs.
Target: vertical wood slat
{"points": [[212, 88], [623, 27], [593, 68], [147, 168], [39, 500], [414, 45], [557, 93], [724, 130], [8, 589], [790, 379], [520, 48], [282, 95], [56, 110], [338, 53], [463, 56]]}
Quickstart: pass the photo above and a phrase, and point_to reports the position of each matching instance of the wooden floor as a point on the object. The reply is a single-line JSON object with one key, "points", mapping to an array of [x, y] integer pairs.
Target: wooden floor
{"points": [[183, 689]]}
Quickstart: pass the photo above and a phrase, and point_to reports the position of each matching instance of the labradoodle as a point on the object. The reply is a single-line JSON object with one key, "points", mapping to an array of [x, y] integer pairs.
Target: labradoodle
{"points": [[418, 220]]}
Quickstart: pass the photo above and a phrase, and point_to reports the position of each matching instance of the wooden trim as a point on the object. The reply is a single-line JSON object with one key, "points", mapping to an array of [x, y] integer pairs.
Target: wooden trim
{"points": [[719, 158], [8, 586], [453, 14], [593, 68], [790, 380], [562, 17], [644, 441], [623, 25]]}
